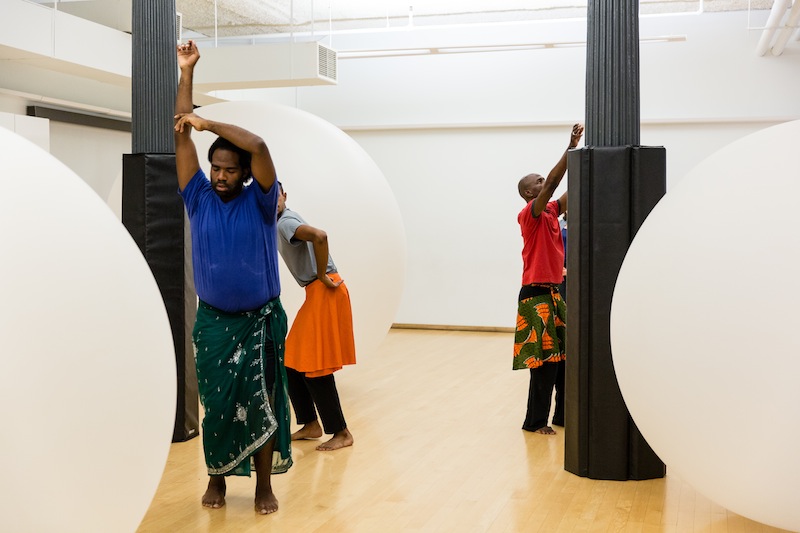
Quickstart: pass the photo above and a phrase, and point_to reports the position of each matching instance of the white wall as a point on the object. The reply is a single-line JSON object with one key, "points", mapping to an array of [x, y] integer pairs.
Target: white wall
{"points": [[12, 104], [36, 130], [457, 191], [94, 154], [454, 133]]}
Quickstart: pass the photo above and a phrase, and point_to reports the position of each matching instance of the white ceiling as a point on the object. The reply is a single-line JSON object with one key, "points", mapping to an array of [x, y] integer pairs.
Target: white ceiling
{"points": [[260, 17]]}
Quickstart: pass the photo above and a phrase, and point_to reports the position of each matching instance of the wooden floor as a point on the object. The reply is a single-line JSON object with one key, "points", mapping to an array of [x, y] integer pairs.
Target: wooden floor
{"points": [[436, 417]]}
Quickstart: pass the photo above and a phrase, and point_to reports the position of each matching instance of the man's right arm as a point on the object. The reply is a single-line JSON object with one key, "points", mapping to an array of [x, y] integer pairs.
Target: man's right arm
{"points": [[554, 178], [186, 161]]}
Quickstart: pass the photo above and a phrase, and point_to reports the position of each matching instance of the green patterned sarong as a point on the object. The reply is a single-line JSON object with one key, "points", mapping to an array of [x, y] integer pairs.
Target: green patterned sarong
{"points": [[541, 327], [241, 413]]}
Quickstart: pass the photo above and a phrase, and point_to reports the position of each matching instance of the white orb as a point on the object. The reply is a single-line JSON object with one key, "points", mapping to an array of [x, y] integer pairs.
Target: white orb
{"points": [[704, 327], [335, 186], [114, 199], [87, 367]]}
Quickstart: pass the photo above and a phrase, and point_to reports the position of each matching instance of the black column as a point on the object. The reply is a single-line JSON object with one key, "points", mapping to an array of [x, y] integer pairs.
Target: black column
{"points": [[612, 73], [154, 81], [152, 210], [613, 185]]}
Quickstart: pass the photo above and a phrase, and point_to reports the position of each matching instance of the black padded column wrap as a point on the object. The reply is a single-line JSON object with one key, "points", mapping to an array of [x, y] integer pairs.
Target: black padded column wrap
{"points": [[611, 191], [154, 215]]}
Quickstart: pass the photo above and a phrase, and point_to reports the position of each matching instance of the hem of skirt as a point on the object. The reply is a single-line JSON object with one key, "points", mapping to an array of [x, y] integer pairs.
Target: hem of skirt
{"points": [[536, 363], [244, 456], [299, 366], [320, 372], [283, 466]]}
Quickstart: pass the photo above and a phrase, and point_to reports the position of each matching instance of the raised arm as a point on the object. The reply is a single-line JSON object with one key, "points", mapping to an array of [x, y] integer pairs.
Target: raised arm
{"points": [[555, 176], [319, 240], [186, 161]]}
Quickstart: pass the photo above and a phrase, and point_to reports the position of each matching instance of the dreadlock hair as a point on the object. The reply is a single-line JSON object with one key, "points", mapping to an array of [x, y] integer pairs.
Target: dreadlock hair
{"points": [[244, 156]]}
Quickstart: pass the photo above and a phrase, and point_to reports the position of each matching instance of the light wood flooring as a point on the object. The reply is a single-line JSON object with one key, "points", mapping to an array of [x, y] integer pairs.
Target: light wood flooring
{"points": [[436, 417]]}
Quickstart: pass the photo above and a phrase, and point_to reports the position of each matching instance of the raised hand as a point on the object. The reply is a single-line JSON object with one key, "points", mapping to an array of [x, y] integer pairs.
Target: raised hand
{"points": [[188, 54], [194, 121], [577, 133]]}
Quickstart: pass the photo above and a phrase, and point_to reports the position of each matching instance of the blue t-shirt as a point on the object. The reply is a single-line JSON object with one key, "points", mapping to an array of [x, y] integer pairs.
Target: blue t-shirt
{"points": [[234, 245]]}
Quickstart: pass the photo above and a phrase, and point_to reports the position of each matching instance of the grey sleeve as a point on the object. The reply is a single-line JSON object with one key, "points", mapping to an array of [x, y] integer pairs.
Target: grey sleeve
{"points": [[287, 226]]}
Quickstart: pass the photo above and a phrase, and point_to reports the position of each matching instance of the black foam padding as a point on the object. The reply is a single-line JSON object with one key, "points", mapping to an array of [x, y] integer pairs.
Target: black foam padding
{"points": [[153, 213], [611, 191]]}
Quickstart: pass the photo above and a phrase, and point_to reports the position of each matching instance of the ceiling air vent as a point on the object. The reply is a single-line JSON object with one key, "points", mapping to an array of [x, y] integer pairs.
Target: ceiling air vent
{"points": [[265, 65], [327, 62], [179, 27]]}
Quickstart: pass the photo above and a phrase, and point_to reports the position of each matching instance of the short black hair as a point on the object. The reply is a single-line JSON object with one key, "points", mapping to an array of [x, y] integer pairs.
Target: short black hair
{"points": [[244, 156]]}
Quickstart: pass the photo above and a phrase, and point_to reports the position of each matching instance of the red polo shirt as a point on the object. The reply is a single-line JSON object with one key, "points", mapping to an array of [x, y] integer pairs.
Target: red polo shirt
{"points": [[542, 247]]}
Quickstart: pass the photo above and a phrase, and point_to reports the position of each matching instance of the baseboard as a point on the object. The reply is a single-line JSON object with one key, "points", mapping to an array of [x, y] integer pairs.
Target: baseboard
{"points": [[486, 329]]}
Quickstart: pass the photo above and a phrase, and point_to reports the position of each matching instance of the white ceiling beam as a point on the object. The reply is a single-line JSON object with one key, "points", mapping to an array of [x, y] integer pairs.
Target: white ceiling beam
{"points": [[46, 38]]}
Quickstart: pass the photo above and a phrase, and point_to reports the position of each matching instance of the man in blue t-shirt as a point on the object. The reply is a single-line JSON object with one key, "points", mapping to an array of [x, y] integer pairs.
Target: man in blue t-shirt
{"points": [[240, 329]]}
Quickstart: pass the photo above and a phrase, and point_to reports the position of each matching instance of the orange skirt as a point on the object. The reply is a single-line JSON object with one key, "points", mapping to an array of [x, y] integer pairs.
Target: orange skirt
{"points": [[321, 339]]}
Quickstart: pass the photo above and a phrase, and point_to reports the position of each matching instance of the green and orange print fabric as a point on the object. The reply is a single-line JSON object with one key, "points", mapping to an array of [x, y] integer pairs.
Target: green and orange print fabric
{"points": [[541, 330]]}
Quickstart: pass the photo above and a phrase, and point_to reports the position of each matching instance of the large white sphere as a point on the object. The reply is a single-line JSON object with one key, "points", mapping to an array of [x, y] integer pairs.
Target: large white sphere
{"points": [[704, 327], [332, 182], [87, 367], [114, 199]]}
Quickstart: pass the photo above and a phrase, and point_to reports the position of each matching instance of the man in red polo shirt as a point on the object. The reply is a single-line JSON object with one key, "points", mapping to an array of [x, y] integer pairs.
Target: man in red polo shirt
{"points": [[542, 313]]}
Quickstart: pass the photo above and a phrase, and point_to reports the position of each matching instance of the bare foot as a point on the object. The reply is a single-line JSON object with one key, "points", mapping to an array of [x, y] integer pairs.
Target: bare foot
{"points": [[266, 502], [215, 493], [547, 430], [340, 439], [312, 430]]}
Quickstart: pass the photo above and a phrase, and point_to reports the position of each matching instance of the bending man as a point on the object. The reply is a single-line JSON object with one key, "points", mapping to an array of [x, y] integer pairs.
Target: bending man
{"points": [[321, 339], [240, 329]]}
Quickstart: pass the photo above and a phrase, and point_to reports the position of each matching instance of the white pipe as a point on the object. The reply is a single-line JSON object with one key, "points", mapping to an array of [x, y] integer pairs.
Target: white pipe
{"points": [[216, 42], [775, 16], [788, 29], [748, 14], [53, 30]]}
